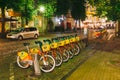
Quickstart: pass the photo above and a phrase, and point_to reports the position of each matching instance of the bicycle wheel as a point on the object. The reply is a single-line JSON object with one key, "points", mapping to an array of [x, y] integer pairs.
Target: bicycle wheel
{"points": [[58, 59], [22, 64], [76, 49], [70, 54], [47, 63], [65, 56]]}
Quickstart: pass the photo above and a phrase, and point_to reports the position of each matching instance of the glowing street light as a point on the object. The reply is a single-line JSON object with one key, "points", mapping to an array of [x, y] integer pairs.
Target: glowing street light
{"points": [[42, 9]]}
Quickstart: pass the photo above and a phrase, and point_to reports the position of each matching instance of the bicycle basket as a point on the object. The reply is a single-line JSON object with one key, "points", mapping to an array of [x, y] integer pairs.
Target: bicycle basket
{"points": [[22, 55], [61, 43], [54, 45], [67, 41], [46, 47], [72, 39], [77, 38], [34, 51]]}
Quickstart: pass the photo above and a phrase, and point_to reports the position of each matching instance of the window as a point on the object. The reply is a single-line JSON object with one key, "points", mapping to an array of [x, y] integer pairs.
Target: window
{"points": [[26, 30], [33, 29]]}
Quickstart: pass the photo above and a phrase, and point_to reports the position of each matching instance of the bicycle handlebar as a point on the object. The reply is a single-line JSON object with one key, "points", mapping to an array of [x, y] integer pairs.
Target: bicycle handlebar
{"points": [[47, 41], [38, 42]]}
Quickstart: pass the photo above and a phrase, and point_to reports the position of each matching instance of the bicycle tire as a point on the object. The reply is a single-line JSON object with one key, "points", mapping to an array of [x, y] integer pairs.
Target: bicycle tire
{"points": [[58, 59], [47, 66], [71, 54], [65, 56], [76, 49], [22, 64]]}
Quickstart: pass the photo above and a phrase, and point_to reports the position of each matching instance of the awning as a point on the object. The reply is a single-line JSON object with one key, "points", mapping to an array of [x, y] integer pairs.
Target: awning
{"points": [[8, 19]]}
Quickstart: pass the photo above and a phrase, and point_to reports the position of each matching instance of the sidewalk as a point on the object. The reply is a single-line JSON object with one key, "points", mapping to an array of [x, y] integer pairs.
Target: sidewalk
{"points": [[103, 65]]}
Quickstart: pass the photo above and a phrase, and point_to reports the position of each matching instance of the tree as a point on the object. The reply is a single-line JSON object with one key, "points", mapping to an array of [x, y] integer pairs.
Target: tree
{"points": [[49, 6], [62, 7], [78, 10], [27, 10], [108, 8], [14, 4]]}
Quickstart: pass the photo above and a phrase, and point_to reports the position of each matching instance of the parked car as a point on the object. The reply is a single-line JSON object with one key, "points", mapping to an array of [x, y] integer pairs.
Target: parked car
{"points": [[23, 33]]}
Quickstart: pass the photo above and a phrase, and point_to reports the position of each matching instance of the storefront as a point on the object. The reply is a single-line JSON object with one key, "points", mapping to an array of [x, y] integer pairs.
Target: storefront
{"points": [[11, 20]]}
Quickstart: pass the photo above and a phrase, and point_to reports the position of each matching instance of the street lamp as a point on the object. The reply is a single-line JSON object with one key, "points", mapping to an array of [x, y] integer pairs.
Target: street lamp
{"points": [[42, 9]]}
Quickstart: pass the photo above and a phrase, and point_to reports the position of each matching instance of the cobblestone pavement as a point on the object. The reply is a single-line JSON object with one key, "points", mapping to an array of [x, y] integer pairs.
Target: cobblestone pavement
{"points": [[103, 65]]}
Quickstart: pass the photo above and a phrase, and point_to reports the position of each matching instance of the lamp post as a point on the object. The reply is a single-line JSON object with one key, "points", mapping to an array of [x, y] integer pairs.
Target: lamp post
{"points": [[86, 33], [42, 10]]}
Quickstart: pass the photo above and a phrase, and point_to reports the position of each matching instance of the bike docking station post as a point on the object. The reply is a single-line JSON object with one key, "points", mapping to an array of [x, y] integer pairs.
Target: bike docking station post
{"points": [[36, 65]]}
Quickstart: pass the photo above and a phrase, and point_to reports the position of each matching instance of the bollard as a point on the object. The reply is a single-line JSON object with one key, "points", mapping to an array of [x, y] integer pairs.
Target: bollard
{"points": [[36, 66]]}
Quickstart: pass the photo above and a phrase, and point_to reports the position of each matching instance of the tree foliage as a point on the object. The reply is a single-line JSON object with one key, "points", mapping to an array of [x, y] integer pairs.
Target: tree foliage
{"points": [[109, 8], [78, 9], [62, 7], [28, 9], [11, 4], [49, 6]]}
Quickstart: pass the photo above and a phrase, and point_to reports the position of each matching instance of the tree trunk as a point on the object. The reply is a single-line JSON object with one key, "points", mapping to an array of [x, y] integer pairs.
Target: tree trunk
{"points": [[3, 22], [26, 21], [22, 22], [118, 28], [80, 25], [3, 19], [26, 11]]}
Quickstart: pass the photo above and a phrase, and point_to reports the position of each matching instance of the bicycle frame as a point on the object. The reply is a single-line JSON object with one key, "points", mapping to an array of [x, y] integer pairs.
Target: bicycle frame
{"points": [[29, 61]]}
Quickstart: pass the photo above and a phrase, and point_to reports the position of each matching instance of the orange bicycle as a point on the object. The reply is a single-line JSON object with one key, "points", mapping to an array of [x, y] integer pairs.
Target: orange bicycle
{"points": [[46, 62]]}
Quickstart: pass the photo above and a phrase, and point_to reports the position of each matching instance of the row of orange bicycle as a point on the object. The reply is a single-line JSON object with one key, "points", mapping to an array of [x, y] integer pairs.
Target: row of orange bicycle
{"points": [[50, 52]]}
